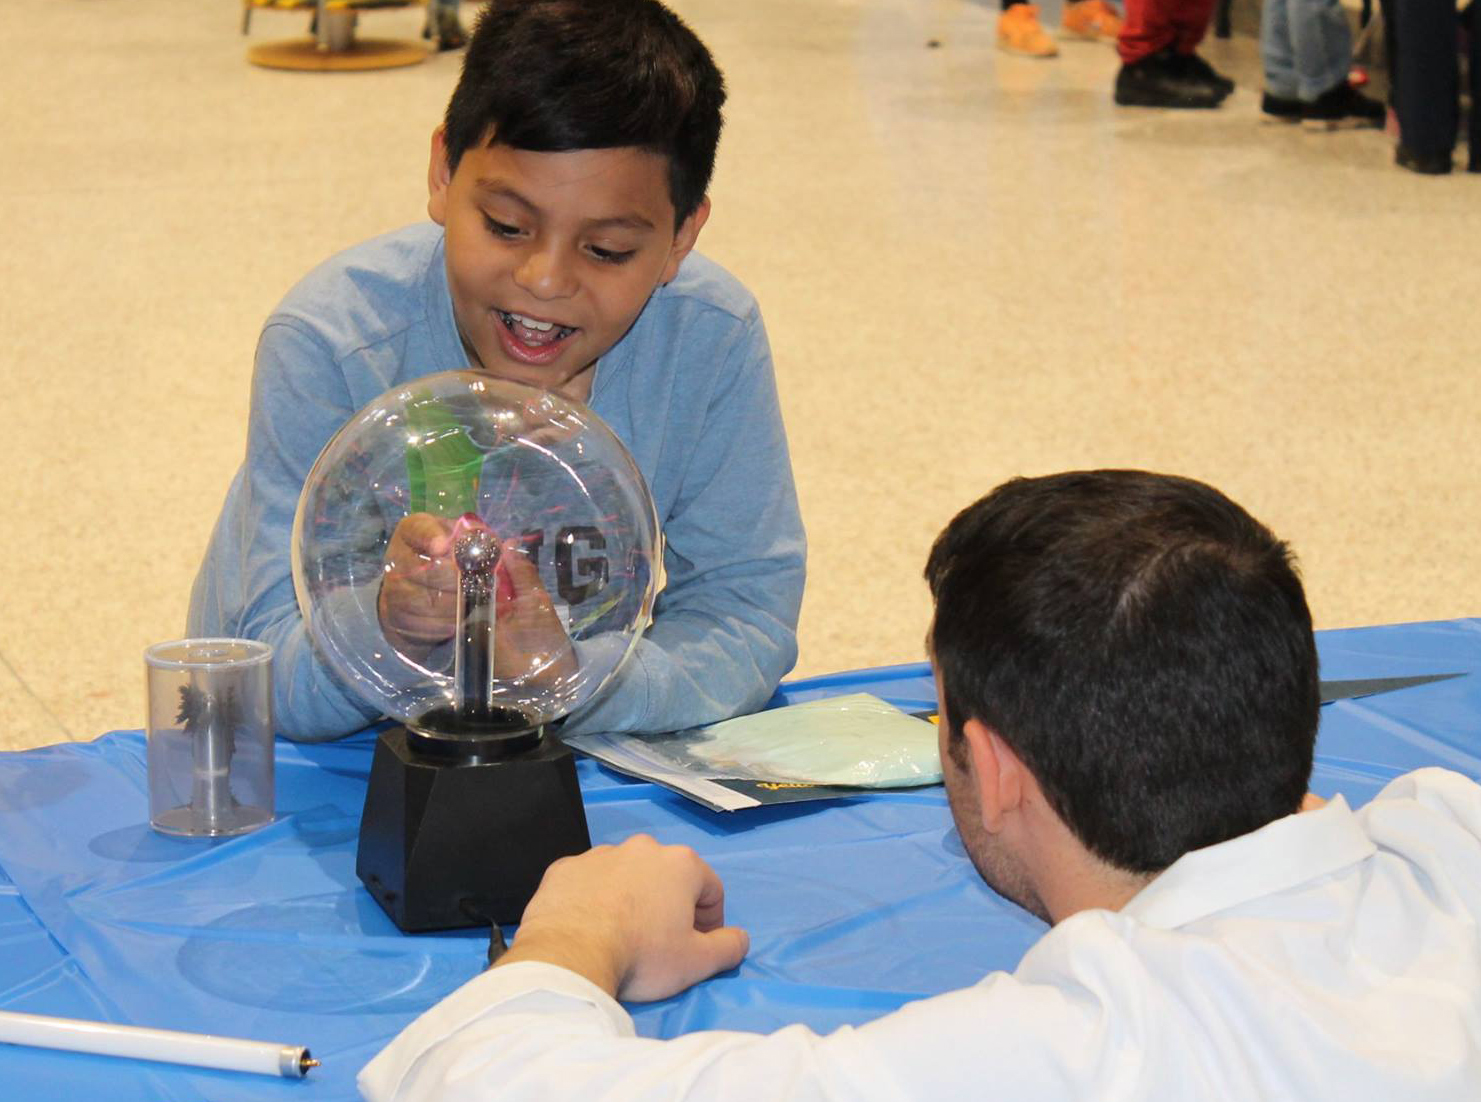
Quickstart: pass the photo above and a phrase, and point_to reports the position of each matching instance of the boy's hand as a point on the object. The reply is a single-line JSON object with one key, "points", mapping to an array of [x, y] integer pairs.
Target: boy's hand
{"points": [[418, 602], [530, 642], [643, 921]]}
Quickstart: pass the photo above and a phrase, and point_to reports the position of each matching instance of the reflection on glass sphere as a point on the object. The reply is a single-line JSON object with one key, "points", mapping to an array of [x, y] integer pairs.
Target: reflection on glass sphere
{"points": [[475, 556]]}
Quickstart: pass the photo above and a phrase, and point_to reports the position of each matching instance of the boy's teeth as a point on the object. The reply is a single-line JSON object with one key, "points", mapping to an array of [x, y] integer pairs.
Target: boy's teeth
{"points": [[548, 331]]}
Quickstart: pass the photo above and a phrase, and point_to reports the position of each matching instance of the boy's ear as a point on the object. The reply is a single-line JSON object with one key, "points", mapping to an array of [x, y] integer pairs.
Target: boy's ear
{"points": [[997, 772], [684, 239], [439, 176]]}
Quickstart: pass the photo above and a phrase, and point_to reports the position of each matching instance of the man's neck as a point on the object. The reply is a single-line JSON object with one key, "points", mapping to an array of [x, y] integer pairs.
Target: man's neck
{"points": [[1094, 886], [1070, 878]]}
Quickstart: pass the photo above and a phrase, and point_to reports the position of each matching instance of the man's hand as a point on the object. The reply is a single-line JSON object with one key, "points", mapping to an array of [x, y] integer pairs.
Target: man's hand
{"points": [[643, 921]]}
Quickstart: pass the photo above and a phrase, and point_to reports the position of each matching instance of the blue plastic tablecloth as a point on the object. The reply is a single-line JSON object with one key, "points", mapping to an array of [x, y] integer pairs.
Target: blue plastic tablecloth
{"points": [[854, 906]]}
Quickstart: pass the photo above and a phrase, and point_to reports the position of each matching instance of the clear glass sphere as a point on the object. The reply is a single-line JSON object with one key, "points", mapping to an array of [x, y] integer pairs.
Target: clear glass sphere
{"points": [[473, 556]]}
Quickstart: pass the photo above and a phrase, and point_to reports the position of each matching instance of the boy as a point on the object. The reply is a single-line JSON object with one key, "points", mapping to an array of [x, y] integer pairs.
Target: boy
{"points": [[567, 187]]}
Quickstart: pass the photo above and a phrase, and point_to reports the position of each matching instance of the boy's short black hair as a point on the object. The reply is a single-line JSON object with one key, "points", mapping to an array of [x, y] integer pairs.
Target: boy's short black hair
{"points": [[1143, 644], [554, 76]]}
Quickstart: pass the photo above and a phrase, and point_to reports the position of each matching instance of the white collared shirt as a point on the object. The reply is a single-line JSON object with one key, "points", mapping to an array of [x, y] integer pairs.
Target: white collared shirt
{"points": [[1329, 955]]}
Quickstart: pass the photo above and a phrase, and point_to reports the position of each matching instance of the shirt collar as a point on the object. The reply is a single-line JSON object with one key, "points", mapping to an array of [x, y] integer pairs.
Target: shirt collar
{"points": [[1275, 858], [447, 342]]}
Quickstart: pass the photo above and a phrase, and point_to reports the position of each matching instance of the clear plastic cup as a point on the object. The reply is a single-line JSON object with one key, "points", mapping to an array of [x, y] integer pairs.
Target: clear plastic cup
{"points": [[210, 736]]}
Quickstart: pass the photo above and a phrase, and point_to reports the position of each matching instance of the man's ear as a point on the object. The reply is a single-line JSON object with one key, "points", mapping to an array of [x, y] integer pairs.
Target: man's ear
{"points": [[439, 176], [997, 771], [684, 239]]}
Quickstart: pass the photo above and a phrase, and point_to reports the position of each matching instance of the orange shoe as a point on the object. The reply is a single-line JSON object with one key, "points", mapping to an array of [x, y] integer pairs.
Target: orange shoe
{"points": [[1092, 19], [1019, 32]]}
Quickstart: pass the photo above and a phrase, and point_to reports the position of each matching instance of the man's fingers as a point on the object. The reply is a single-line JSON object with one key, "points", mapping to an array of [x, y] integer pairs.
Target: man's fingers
{"points": [[719, 951], [680, 963], [729, 944], [709, 901]]}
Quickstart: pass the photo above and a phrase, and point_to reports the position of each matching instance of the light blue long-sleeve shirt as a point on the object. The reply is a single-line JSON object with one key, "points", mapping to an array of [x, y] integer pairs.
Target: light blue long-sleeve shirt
{"points": [[689, 389]]}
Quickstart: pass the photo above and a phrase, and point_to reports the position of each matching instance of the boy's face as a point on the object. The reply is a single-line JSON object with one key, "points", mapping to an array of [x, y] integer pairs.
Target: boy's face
{"points": [[552, 256]]}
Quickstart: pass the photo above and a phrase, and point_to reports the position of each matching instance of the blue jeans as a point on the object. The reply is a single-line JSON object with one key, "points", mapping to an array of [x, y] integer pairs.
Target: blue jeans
{"points": [[1306, 46]]}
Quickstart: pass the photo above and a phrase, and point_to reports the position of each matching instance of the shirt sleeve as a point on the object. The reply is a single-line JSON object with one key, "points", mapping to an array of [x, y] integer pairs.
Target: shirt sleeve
{"points": [[531, 1031], [245, 584], [724, 629]]}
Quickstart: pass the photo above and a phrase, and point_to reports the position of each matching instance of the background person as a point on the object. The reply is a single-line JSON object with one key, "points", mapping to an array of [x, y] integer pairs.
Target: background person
{"points": [[1306, 48], [1159, 63], [1020, 32], [1423, 39]]}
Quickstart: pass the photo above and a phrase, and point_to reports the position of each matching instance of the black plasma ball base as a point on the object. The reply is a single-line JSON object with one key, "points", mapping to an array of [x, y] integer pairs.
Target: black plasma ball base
{"points": [[458, 831]]}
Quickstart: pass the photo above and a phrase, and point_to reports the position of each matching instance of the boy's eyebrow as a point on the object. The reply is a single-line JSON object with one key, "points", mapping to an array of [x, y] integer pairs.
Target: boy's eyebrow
{"points": [[622, 221]]}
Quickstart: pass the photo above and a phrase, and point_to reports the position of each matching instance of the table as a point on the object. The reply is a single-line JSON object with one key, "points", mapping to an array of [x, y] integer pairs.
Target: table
{"points": [[335, 46], [854, 906]]}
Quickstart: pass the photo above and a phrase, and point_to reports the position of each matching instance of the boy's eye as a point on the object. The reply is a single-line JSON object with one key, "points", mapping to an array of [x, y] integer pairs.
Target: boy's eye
{"points": [[500, 229], [610, 256]]}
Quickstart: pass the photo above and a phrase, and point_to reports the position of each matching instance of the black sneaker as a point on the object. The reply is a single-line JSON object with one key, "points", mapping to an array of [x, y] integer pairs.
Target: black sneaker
{"points": [[1195, 68], [1159, 81], [1343, 107], [1426, 164], [1280, 109]]}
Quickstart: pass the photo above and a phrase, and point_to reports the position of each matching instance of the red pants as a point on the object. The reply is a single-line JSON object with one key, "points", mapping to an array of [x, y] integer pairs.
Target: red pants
{"points": [[1152, 25]]}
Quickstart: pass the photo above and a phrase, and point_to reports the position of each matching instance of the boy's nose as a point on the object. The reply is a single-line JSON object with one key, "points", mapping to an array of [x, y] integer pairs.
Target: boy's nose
{"points": [[546, 274]]}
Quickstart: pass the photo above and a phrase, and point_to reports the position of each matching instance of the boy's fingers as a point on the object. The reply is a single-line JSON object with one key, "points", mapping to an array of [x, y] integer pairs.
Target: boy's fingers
{"points": [[522, 570], [424, 533], [518, 574], [423, 584]]}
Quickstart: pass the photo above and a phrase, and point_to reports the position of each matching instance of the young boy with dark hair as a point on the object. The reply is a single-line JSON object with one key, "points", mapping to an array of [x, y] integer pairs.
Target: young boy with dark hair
{"points": [[567, 188]]}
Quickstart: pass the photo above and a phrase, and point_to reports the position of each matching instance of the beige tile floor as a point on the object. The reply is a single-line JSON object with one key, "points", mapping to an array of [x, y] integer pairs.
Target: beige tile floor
{"points": [[972, 265]]}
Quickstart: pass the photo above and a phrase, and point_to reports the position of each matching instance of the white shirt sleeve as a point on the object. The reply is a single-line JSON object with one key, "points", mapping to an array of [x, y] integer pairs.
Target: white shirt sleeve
{"points": [[531, 1031]]}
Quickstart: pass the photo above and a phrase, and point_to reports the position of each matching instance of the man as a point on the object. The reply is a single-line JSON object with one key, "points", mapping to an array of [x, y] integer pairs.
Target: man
{"points": [[1128, 688]]}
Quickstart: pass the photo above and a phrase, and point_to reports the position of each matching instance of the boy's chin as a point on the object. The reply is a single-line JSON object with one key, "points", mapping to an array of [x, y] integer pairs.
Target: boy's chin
{"points": [[556, 376]]}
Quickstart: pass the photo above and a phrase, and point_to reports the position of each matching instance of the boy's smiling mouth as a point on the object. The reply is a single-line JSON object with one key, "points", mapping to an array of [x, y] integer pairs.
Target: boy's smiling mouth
{"points": [[532, 340]]}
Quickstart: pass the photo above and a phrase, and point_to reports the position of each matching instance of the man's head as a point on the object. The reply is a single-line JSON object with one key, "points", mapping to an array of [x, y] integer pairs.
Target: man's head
{"points": [[571, 173], [1143, 647]]}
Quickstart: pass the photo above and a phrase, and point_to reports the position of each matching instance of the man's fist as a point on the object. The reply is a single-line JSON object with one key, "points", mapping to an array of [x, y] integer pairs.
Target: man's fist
{"points": [[641, 920]]}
